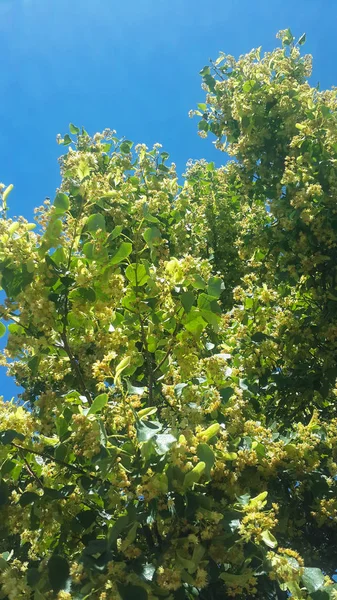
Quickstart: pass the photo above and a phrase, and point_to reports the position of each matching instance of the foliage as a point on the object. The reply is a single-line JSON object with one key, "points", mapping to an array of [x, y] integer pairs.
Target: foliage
{"points": [[176, 437]]}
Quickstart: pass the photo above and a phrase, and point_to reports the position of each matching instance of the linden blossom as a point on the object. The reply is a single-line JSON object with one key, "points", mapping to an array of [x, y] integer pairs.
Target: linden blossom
{"points": [[176, 346]]}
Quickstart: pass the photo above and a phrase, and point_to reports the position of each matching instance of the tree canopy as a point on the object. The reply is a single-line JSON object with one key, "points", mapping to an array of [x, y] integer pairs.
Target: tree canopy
{"points": [[176, 340]]}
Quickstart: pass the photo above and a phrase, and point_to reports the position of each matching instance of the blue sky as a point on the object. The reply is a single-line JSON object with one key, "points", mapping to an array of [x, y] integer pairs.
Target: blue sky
{"points": [[132, 66]]}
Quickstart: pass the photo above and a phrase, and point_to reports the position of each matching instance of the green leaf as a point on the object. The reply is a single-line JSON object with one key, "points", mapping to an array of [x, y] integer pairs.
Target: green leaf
{"points": [[147, 214], [58, 572], [226, 393], [73, 129], [33, 364], [87, 294], [88, 249], [30, 265], [148, 572], [131, 536], [6, 193], [106, 147], [53, 230], [2, 329], [236, 580], [33, 576], [323, 594], [178, 389], [61, 203], [95, 547], [214, 287], [145, 412], [61, 426], [137, 274], [6, 437], [28, 498], [248, 86], [210, 82], [67, 140], [122, 365], [198, 283], [86, 518], [146, 430], [187, 300], [125, 147], [122, 253], [95, 222], [83, 170], [99, 403], [4, 493], [205, 71], [203, 125], [7, 466], [164, 442], [13, 227], [152, 235], [186, 563], [287, 38], [132, 592], [116, 232], [259, 336], [194, 322], [313, 579], [208, 303], [302, 39], [132, 389], [269, 539], [206, 455], [211, 431], [194, 475], [115, 531]]}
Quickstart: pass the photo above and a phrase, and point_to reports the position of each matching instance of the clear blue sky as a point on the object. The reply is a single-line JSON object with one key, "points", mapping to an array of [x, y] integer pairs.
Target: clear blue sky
{"points": [[130, 65]]}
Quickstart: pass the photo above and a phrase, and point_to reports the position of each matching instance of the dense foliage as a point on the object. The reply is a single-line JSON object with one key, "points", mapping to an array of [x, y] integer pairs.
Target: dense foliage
{"points": [[177, 347]]}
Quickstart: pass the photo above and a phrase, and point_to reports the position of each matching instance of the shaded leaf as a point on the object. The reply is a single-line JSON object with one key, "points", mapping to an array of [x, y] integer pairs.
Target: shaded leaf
{"points": [[122, 253], [28, 498], [187, 300], [7, 437], [132, 592], [4, 493], [58, 572]]}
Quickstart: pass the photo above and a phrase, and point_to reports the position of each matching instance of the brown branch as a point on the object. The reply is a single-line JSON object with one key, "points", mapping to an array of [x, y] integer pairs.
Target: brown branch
{"points": [[170, 348], [49, 457], [30, 470], [75, 366]]}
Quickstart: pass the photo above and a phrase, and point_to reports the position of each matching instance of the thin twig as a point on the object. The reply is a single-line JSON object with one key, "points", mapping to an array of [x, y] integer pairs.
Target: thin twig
{"points": [[30, 470], [49, 457]]}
